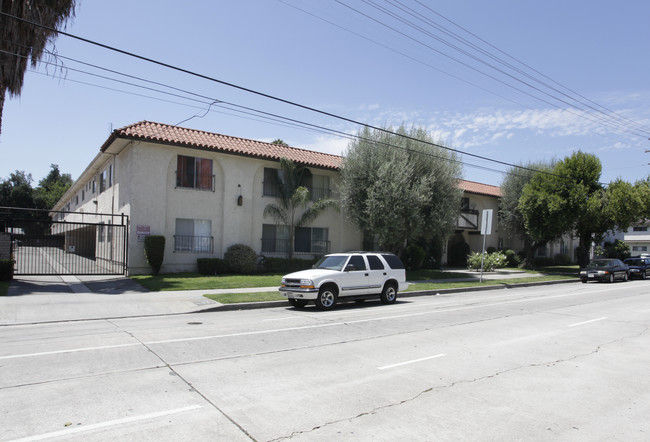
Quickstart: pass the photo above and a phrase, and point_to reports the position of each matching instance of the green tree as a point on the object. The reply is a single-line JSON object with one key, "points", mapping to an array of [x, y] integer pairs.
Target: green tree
{"points": [[397, 187], [293, 208], [21, 41], [573, 201], [279, 142], [52, 188], [17, 191], [510, 215]]}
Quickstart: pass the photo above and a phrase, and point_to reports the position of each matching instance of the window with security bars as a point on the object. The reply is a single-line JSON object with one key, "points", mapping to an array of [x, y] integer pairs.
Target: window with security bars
{"points": [[193, 236]]}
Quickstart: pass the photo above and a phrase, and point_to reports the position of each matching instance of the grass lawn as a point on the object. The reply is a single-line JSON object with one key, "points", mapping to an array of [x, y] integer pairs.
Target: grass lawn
{"points": [[196, 281], [4, 287]]}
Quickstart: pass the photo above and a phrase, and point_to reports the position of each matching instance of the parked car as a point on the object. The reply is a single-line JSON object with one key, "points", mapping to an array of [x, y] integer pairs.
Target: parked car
{"points": [[602, 269], [639, 267], [346, 277]]}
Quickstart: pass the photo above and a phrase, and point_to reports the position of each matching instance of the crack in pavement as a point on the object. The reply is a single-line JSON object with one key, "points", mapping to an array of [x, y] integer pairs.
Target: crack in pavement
{"points": [[464, 381]]}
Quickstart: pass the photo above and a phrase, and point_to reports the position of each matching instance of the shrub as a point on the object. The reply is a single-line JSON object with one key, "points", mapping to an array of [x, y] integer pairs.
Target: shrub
{"points": [[286, 265], [241, 258], [495, 260], [211, 266], [413, 257], [562, 259], [6, 269], [512, 258], [154, 251], [543, 261]]}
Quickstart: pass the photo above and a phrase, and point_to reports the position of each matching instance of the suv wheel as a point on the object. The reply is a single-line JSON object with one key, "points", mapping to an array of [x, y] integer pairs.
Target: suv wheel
{"points": [[389, 294], [326, 297], [298, 303]]}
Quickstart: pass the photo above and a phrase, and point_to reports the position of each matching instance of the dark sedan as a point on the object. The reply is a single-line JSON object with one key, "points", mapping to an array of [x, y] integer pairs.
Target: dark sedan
{"points": [[602, 269], [639, 267]]}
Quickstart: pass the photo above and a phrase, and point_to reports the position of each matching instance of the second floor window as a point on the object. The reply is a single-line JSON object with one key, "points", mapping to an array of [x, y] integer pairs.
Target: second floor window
{"points": [[194, 173]]}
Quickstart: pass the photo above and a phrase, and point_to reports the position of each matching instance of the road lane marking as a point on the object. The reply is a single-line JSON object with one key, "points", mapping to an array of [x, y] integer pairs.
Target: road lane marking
{"points": [[232, 335], [586, 322], [107, 424], [71, 350], [343, 322], [386, 367]]}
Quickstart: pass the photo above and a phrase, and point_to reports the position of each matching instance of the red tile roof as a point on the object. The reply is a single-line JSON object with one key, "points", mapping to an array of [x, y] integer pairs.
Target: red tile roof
{"points": [[179, 136], [479, 188]]}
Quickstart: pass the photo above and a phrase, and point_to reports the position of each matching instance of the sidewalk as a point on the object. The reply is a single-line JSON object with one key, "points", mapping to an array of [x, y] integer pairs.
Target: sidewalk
{"points": [[40, 299]]}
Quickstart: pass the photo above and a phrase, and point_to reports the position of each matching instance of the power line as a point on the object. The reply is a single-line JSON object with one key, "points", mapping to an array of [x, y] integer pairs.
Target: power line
{"points": [[252, 91]]}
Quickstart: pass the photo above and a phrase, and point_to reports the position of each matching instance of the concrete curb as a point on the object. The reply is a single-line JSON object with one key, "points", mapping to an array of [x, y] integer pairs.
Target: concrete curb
{"points": [[270, 304]]}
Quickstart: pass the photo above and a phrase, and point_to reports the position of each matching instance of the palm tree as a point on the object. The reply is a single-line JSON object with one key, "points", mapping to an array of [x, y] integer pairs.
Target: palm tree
{"points": [[20, 40], [293, 196]]}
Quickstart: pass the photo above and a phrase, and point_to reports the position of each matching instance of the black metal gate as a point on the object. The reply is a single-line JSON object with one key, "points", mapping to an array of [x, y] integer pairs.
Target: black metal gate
{"points": [[47, 247]]}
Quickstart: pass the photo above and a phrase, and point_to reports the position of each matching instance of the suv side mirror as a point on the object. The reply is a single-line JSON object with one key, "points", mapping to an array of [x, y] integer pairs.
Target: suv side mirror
{"points": [[350, 268]]}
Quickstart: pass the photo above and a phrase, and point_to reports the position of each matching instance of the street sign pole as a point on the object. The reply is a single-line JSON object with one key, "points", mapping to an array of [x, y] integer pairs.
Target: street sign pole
{"points": [[486, 229]]}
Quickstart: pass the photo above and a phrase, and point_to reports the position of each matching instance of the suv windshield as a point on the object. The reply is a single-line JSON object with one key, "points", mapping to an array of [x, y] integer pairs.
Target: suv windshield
{"points": [[331, 262]]}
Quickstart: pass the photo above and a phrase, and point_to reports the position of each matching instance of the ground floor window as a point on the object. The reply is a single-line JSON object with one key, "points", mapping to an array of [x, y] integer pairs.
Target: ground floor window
{"points": [[275, 239], [193, 235], [639, 248]]}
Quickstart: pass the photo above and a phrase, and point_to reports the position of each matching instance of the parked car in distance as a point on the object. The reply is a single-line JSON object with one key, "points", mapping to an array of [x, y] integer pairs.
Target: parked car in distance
{"points": [[604, 269], [639, 267], [346, 277]]}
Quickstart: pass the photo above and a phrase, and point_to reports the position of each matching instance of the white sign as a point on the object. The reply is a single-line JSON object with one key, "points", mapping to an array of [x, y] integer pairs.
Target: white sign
{"points": [[486, 222]]}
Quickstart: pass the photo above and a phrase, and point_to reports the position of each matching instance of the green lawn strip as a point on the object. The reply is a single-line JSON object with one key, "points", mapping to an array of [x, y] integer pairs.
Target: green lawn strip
{"points": [[232, 298], [509, 281], [4, 288], [196, 281]]}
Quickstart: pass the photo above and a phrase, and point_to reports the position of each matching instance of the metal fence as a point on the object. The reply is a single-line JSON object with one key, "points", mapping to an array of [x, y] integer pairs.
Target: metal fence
{"points": [[45, 247]]}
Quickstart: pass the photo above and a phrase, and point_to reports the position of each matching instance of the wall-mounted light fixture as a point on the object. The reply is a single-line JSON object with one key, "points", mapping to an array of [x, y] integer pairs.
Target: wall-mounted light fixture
{"points": [[240, 199]]}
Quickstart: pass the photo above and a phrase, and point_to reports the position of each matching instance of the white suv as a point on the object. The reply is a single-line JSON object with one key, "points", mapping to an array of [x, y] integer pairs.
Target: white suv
{"points": [[346, 276]]}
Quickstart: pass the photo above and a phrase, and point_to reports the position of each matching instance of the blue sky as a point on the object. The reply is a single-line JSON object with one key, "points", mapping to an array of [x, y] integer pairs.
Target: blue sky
{"points": [[364, 65]]}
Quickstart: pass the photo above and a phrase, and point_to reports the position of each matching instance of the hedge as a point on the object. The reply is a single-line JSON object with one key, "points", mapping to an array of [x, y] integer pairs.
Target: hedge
{"points": [[6, 269]]}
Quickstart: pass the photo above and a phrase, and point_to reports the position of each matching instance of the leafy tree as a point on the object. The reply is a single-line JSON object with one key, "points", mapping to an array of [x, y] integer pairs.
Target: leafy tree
{"points": [[510, 215], [52, 188], [573, 201], [21, 41], [279, 142], [292, 198], [398, 188], [16, 191]]}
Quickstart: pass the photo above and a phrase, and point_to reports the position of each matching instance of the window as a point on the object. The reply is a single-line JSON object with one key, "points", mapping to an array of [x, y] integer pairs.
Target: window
{"points": [[639, 248], [375, 263], [357, 262], [320, 187], [193, 236], [640, 229], [194, 173], [83, 194], [275, 239], [271, 182], [94, 185], [311, 240], [103, 182], [464, 204]]}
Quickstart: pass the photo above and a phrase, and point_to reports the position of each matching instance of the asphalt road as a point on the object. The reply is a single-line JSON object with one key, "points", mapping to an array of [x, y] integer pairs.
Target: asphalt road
{"points": [[566, 362]]}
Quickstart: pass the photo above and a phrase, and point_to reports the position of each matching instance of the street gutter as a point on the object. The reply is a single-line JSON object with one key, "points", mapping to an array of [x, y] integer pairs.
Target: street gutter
{"points": [[271, 304]]}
